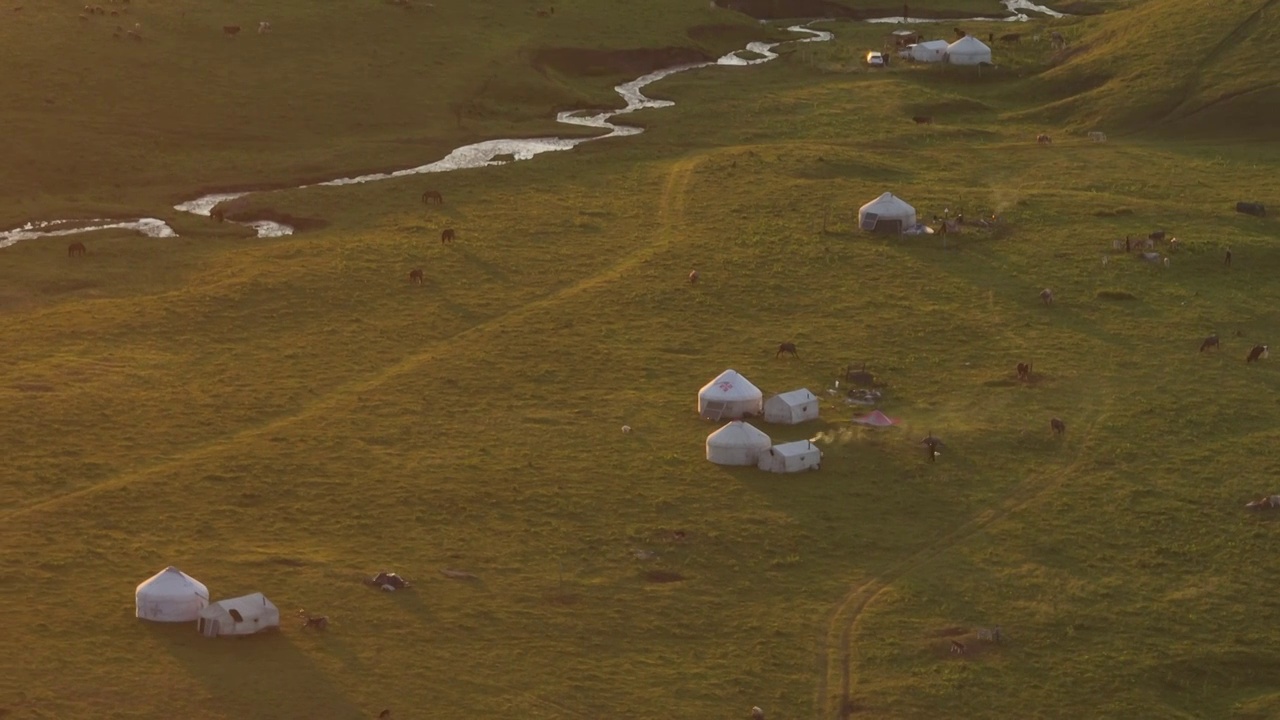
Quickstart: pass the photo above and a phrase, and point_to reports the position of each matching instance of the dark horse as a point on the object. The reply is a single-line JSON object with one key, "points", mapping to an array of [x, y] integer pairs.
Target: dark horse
{"points": [[415, 276], [789, 348], [1210, 342], [431, 195], [447, 236], [1259, 352], [1024, 371], [1058, 427], [75, 248]]}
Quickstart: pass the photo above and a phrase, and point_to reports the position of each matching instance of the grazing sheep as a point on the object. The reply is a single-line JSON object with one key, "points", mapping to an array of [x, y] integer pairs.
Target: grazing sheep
{"points": [[1166, 262], [1044, 139], [1259, 352], [1046, 296], [1211, 342], [264, 27], [693, 277], [1058, 427], [626, 429], [1105, 260], [1098, 136], [787, 347]]}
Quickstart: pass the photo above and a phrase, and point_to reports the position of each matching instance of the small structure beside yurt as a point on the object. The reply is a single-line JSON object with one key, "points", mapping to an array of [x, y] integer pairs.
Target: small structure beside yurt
{"points": [[244, 615], [791, 408], [968, 50], [729, 395], [928, 51], [886, 214], [791, 457], [171, 596], [737, 443]]}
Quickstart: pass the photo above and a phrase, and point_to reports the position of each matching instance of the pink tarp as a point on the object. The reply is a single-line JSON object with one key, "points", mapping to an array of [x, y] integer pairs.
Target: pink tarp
{"points": [[876, 418]]}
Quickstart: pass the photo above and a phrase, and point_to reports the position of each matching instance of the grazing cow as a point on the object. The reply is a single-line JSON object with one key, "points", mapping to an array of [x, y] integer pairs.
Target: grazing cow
{"points": [[1264, 503], [1249, 208], [230, 30], [1046, 296], [1226, 259], [264, 27], [1044, 139], [75, 248], [1210, 342], [1098, 136], [693, 277], [415, 276], [1024, 371], [1259, 352], [1058, 427], [787, 347], [432, 195], [923, 120], [447, 235], [957, 647], [135, 35]]}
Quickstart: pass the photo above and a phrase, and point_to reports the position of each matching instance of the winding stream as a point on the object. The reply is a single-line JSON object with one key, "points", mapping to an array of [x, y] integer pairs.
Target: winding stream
{"points": [[483, 154]]}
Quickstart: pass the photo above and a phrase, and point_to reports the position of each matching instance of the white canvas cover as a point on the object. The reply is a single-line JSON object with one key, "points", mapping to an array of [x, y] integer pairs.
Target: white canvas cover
{"points": [[968, 50], [739, 397], [791, 457], [876, 419], [929, 51], [737, 443], [790, 408], [890, 211], [244, 615], [170, 596]]}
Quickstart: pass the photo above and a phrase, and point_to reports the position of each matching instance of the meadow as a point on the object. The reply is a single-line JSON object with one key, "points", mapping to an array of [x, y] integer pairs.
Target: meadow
{"points": [[288, 415]]}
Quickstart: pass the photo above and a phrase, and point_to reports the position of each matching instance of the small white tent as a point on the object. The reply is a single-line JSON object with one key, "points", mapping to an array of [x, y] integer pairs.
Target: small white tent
{"points": [[929, 51], [729, 396], [790, 408], [737, 443], [244, 615], [968, 50], [171, 596], [791, 457], [887, 213]]}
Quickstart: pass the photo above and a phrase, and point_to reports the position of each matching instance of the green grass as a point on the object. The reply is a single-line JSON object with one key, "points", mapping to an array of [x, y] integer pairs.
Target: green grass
{"points": [[288, 415]]}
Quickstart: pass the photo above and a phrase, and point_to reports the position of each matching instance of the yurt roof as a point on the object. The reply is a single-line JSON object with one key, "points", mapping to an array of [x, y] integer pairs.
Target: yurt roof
{"points": [[969, 45], [795, 397], [888, 204], [172, 581], [933, 44], [738, 434], [730, 385], [252, 603], [799, 447]]}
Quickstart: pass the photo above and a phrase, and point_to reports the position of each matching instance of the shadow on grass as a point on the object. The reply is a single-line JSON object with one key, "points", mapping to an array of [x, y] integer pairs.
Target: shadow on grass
{"points": [[255, 676]]}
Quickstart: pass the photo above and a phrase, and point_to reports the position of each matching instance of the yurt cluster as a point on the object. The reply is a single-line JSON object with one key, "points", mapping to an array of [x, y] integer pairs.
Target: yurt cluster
{"points": [[730, 396], [967, 50], [172, 596]]}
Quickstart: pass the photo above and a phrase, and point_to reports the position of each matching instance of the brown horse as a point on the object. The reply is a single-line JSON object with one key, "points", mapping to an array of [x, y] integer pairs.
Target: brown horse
{"points": [[1024, 371], [957, 647], [787, 348], [1210, 342], [1259, 352], [75, 248], [1058, 427], [432, 195], [923, 120], [447, 236], [1044, 139], [415, 276]]}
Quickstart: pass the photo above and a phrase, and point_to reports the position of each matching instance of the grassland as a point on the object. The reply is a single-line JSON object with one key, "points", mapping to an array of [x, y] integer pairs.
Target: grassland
{"points": [[287, 415]]}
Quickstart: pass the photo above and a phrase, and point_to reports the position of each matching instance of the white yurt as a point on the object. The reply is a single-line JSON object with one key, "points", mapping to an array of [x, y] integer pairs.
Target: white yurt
{"points": [[171, 596], [244, 615], [791, 408], [968, 50], [887, 213], [737, 443], [791, 457], [929, 51], [729, 396]]}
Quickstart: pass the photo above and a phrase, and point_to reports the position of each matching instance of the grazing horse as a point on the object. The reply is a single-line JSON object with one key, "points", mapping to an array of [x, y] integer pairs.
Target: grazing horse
{"points": [[264, 27], [957, 647], [923, 120], [1046, 296], [1058, 427], [693, 277], [1044, 139], [430, 195], [1024, 371], [415, 276], [1210, 342], [787, 348], [1259, 352], [447, 236], [230, 29], [75, 248]]}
